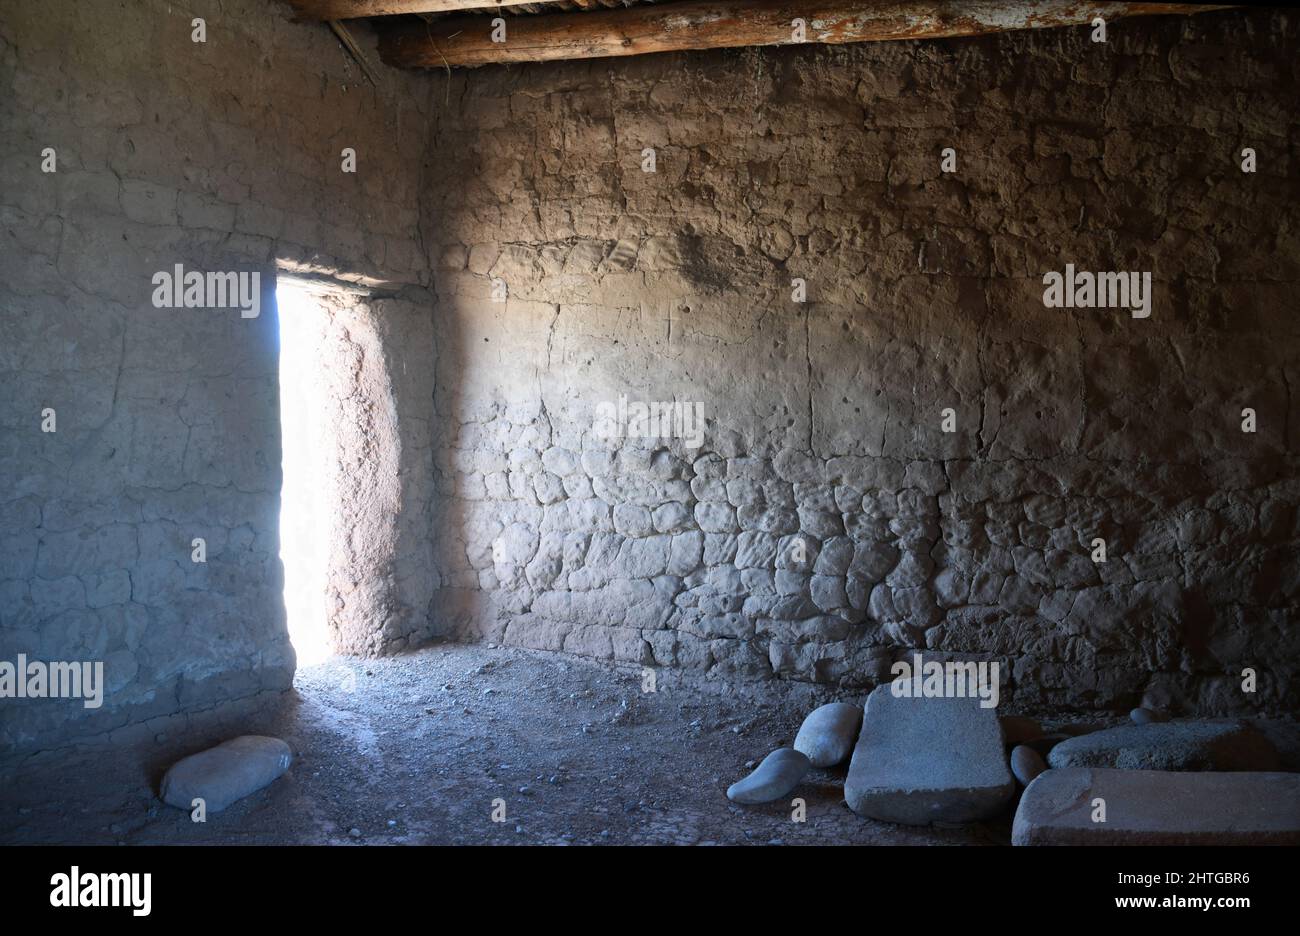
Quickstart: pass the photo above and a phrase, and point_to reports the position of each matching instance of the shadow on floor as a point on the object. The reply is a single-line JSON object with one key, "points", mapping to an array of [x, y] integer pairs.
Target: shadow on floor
{"points": [[425, 747]]}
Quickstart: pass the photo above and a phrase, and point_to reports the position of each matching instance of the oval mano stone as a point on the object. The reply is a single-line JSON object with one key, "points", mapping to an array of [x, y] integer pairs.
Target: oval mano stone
{"points": [[1026, 763], [827, 735], [779, 773], [225, 773], [1146, 716]]}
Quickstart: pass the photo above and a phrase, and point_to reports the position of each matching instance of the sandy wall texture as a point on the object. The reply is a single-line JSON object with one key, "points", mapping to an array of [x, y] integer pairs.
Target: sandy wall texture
{"points": [[924, 302], [222, 155], [901, 447]]}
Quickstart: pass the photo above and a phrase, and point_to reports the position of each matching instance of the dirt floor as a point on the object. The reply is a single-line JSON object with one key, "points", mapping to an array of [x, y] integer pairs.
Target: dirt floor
{"points": [[415, 749]]}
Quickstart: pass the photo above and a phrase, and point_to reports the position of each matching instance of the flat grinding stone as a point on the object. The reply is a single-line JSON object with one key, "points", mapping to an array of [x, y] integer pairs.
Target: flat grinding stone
{"points": [[773, 779], [1159, 807], [920, 761], [225, 773], [1189, 745], [828, 733]]}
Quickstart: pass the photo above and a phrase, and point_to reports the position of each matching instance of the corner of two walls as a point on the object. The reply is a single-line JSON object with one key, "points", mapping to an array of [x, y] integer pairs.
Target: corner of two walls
{"points": [[512, 519], [924, 294], [218, 156]]}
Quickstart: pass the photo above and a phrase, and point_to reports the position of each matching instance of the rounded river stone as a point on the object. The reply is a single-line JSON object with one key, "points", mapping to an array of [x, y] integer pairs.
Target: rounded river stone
{"points": [[827, 735], [771, 780]]}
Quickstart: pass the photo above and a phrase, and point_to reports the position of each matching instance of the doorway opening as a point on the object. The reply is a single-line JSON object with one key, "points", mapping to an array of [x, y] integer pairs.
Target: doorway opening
{"points": [[306, 451], [341, 492]]}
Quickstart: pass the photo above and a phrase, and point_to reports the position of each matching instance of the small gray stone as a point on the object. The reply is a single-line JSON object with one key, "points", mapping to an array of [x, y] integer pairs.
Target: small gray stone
{"points": [[671, 517], [1155, 807], [827, 592], [1190, 745], [1146, 716], [716, 518], [755, 550], [828, 733], [1026, 764], [632, 520], [773, 779], [223, 774]]}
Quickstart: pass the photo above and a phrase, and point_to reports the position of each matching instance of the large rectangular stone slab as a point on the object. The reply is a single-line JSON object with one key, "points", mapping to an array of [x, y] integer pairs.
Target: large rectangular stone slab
{"points": [[919, 761], [1159, 807]]}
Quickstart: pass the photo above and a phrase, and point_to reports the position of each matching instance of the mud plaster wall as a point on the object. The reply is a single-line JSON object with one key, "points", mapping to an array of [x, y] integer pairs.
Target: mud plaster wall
{"points": [[819, 163], [375, 392], [924, 293], [217, 156]]}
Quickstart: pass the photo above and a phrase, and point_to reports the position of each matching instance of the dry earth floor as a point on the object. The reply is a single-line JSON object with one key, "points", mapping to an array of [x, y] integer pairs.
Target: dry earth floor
{"points": [[415, 749]]}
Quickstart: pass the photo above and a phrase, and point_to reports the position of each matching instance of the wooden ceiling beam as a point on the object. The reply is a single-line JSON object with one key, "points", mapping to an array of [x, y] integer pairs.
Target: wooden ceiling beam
{"points": [[355, 9], [715, 24]]}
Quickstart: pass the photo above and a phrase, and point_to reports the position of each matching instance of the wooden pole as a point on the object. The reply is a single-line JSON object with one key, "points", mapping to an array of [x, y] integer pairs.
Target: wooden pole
{"points": [[355, 9], [715, 24]]}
